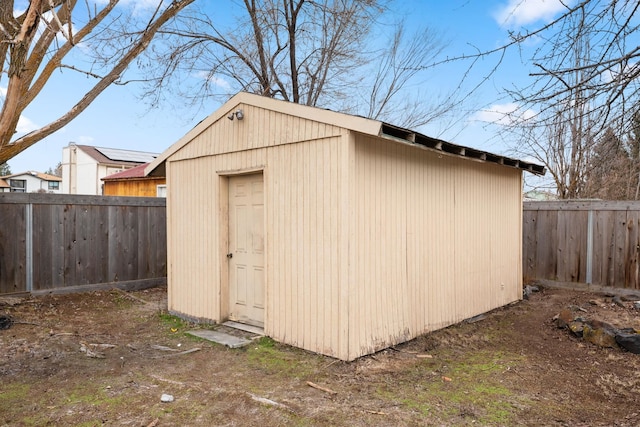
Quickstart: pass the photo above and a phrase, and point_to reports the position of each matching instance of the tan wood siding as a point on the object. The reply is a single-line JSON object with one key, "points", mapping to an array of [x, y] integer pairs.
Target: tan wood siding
{"points": [[436, 241], [303, 240], [194, 192], [133, 187], [228, 136], [303, 276]]}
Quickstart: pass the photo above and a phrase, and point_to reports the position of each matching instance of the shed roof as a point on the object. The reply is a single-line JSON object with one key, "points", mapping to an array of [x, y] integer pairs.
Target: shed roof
{"points": [[347, 121]]}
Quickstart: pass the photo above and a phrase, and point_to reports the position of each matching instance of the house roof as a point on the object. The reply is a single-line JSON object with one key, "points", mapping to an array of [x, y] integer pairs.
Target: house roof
{"points": [[134, 172], [347, 121], [116, 156], [42, 176]]}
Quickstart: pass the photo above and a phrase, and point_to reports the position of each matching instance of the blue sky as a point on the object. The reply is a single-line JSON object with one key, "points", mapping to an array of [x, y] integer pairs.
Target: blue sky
{"points": [[119, 119]]}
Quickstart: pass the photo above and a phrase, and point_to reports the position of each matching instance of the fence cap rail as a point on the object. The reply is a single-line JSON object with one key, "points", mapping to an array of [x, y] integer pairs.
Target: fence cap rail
{"points": [[79, 199], [583, 205]]}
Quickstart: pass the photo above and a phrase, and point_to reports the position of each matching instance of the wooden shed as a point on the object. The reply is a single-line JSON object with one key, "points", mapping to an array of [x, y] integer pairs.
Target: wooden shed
{"points": [[336, 233], [133, 182]]}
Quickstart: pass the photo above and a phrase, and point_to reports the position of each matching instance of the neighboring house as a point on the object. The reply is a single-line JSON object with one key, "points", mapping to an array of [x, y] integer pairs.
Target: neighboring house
{"points": [[133, 182], [30, 182], [336, 233], [84, 166]]}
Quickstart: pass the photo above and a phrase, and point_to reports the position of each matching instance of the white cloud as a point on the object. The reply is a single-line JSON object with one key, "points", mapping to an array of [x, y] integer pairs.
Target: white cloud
{"points": [[504, 114], [609, 76], [139, 7], [522, 12], [216, 81], [25, 125]]}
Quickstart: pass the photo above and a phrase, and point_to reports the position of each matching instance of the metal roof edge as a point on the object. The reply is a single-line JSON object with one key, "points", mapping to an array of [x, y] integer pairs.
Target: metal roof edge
{"points": [[354, 123], [408, 136]]}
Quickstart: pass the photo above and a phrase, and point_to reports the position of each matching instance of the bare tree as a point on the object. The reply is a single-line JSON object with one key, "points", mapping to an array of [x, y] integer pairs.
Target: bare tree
{"points": [[5, 169], [396, 67], [310, 52], [561, 136], [38, 42], [583, 80]]}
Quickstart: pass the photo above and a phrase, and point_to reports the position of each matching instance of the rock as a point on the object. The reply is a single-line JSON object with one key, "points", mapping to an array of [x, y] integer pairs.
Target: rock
{"points": [[5, 322], [600, 334], [577, 328], [629, 341], [475, 319], [564, 318], [618, 301], [528, 290], [13, 301], [166, 398], [636, 305]]}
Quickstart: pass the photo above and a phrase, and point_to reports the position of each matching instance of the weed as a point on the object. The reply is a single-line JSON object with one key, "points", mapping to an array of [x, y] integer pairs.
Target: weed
{"points": [[475, 388], [274, 358], [92, 423], [120, 300], [14, 399], [175, 325], [13, 393]]}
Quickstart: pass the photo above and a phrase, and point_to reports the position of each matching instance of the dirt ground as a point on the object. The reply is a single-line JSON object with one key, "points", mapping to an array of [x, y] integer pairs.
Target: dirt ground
{"points": [[106, 358]]}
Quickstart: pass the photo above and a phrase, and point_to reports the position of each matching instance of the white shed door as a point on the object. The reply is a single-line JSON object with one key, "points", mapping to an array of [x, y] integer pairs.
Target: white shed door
{"points": [[246, 249]]}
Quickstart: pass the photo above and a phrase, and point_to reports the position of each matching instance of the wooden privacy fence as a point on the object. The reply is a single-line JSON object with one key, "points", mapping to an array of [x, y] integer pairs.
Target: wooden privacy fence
{"points": [[594, 242], [71, 242]]}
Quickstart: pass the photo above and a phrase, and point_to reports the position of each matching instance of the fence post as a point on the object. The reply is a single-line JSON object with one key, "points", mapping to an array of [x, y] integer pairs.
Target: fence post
{"points": [[28, 213], [589, 277]]}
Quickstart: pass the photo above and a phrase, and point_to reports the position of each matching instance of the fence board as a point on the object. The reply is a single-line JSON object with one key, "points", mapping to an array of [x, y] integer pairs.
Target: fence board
{"points": [[12, 249], [631, 250], [529, 242], [547, 243], [556, 235], [81, 241], [619, 252]]}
